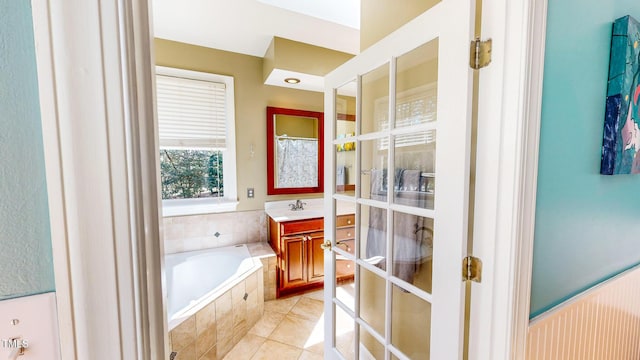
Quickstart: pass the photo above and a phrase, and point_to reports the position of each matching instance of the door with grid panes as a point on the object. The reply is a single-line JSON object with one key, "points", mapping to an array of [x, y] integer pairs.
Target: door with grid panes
{"points": [[399, 117]]}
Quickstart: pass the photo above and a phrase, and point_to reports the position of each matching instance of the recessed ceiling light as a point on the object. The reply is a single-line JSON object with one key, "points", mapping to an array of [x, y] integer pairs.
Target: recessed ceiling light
{"points": [[291, 80]]}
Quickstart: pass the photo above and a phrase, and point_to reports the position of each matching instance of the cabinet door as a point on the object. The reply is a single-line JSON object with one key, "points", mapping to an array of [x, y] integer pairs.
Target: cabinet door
{"points": [[315, 257], [293, 267]]}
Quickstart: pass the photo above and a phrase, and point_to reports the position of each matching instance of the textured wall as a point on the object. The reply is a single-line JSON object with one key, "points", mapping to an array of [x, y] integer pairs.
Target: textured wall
{"points": [[587, 224], [25, 241]]}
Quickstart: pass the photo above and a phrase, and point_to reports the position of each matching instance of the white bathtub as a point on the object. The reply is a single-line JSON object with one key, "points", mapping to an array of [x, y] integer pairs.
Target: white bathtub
{"points": [[196, 278]]}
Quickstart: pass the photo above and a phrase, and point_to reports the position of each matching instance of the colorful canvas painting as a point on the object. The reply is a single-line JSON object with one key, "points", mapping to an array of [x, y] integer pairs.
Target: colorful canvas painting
{"points": [[621, 144]]}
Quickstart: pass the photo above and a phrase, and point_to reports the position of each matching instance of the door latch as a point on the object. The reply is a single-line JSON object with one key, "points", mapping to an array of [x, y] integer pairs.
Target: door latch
{"points": [[326, 245]]}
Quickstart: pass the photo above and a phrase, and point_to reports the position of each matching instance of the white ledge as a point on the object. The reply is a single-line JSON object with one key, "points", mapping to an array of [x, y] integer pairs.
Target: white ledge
{"points": [[180, 207]]}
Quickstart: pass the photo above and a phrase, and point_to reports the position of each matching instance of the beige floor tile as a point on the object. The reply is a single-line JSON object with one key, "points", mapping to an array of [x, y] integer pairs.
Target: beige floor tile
{"points": [[296, 331], [271, 350], [316, 294], [210, 355], [293, 327], [344, 343], [316, 347], [308, 308], [246, 348], [344, 292], [308, 355], [265, 326], [282, 306]]}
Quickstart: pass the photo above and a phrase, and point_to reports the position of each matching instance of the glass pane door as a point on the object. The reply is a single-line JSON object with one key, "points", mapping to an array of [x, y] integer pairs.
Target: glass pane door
{"points": [[398, 128]]}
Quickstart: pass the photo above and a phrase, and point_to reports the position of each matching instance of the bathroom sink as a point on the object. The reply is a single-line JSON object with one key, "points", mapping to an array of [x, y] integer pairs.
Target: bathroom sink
{"points": [[314, 208], [280, 215]]}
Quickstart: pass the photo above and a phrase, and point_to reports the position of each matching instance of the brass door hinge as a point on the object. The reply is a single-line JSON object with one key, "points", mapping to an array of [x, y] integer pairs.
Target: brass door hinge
{"points": [[471, 269], [480, 53]]}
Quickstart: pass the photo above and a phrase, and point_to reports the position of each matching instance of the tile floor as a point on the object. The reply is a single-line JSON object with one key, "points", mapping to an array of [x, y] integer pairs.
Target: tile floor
{"points": [[291, 328]]}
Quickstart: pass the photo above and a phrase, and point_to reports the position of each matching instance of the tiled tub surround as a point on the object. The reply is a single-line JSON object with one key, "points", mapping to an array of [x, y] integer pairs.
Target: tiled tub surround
{"points": [[196, 232], [269, 275], [208, 329], [265, 253]]}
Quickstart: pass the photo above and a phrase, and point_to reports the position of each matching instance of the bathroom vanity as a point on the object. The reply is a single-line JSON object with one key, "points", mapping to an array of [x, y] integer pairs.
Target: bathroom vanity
{"points": [[296, 236]]}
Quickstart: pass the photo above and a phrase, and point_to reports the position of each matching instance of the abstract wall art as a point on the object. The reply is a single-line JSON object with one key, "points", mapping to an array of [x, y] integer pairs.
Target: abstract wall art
{"points": [[621, 143]]}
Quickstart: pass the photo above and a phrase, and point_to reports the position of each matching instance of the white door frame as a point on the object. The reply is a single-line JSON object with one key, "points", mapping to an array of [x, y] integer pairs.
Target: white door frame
{"points": [[510, 99], [95, 76]]}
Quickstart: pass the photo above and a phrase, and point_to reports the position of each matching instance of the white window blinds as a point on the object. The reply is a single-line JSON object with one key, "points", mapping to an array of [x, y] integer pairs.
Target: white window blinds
{"points": [[191, 113]]}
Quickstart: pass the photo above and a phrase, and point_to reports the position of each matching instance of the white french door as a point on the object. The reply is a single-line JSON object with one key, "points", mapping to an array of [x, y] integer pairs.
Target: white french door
{"points": [[398, 130]]}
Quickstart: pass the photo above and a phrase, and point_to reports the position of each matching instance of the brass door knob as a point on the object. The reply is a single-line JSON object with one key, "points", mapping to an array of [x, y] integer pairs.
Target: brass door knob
{"points": [[326, 245]]}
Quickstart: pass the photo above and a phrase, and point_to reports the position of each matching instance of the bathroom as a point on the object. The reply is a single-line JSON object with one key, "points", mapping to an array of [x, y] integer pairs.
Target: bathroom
{"points": [[92, 252], [248, 222], [259, 199]]}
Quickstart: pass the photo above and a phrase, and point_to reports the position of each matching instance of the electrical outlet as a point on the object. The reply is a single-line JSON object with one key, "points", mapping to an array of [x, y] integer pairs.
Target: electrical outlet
{"points": [[250, 193]]}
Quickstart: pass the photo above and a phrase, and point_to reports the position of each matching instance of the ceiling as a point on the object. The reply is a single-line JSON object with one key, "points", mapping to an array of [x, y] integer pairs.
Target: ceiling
{"points": [[248, 26]]}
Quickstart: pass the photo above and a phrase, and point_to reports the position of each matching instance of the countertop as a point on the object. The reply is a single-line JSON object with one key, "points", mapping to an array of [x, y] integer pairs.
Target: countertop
{"points": [[280, 211]]}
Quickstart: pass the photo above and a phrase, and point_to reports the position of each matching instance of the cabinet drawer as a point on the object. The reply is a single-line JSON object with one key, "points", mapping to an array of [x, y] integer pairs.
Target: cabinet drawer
{"points": [[344, 269], [347, 245], [345, 220], [300, 226], [345, 233]]}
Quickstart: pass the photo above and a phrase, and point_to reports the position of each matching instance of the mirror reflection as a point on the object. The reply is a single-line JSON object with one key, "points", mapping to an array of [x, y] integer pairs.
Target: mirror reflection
{"points": [[345, 153], [345, 128], [294, 151]]}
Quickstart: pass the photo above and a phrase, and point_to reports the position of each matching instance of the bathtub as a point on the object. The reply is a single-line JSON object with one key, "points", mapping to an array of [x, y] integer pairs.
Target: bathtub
{"points": [[197, 278]]}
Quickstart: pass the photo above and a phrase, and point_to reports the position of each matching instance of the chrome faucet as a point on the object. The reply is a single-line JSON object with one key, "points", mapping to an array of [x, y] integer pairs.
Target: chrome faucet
{"points": [[299, 205]]}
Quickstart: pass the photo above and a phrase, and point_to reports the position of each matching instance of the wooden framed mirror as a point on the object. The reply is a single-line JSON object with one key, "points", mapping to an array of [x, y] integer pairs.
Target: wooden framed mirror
{"points": [[294, 151]]}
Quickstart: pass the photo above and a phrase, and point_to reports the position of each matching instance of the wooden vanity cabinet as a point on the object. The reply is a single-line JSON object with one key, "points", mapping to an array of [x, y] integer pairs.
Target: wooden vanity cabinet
{"points": [[300, 258], [345, 239]]}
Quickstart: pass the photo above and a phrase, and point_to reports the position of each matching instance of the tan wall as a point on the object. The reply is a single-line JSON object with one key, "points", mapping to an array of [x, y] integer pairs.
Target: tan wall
{"points": [[292, 55], [379, 18], [251, 100]]}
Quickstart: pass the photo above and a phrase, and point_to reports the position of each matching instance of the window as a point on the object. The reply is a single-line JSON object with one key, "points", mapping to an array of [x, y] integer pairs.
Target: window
{"points": [[412, 108], [196, 127]]}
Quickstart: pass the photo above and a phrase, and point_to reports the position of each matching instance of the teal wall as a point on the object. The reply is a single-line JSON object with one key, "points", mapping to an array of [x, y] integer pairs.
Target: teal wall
{"points": [[25, 242], [587, 225]]}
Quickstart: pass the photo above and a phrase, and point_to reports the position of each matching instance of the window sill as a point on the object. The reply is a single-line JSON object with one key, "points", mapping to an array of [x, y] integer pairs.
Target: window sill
{"points": [[196, 206]]}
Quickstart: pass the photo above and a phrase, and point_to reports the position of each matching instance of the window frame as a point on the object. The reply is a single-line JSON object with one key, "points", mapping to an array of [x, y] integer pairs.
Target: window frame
{"points": [[179, 207]]}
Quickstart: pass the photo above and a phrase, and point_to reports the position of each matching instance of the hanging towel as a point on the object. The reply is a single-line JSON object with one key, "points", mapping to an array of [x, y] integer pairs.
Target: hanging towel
{"points": [[341, 175], [410, 180], [377, 232], [413, 237], [408, 190]]}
